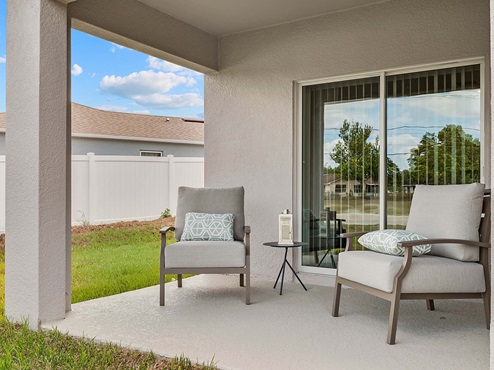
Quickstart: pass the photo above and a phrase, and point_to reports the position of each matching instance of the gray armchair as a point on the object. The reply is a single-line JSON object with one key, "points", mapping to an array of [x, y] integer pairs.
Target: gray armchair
{"points": [[207, 257], [456, 219]]}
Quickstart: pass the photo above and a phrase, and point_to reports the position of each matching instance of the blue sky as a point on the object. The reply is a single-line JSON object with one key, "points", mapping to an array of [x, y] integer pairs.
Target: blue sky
{"points": [[409, 118], [111, 77]]}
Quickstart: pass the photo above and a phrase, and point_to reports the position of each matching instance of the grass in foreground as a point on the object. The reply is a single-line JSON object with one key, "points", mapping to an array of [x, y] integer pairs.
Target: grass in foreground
{"points": [[21, 348], [115, 258], [109, 259]]}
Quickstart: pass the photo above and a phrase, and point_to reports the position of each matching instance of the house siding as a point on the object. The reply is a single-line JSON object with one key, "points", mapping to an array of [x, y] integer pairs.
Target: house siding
{"points": [[249, 104], [82, 146]]}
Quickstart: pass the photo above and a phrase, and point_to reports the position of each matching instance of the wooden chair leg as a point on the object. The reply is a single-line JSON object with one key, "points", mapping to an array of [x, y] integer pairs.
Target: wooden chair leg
{"points": [[242, 280], [336, 299], [247, 288], [487, 309], [179, 280], [162, 289], [430, 304], [393, 319]]}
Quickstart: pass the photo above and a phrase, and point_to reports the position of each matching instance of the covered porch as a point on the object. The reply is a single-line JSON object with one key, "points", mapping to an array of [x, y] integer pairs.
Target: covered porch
{"points": [[208, 317], [254, 72]]}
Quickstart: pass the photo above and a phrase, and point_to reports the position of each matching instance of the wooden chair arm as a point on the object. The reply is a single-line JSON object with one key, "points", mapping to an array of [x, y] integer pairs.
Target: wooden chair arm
{"points": [[352, 235], [166, 229], [408, 245], [247, 240], [470, 243], [349, 237]]}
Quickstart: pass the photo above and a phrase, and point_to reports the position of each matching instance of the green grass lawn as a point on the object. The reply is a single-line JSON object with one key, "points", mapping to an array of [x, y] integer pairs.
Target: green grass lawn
{"points": [[21, 348], [109, 259], [106, 260], [115, 260]]}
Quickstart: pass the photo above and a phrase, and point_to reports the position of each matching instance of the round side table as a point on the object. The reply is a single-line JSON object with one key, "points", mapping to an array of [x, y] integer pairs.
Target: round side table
{"points": [[285, 262]]}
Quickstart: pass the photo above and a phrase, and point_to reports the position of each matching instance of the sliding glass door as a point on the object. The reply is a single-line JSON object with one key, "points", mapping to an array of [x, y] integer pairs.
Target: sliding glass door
{"points": [[432, 128]]}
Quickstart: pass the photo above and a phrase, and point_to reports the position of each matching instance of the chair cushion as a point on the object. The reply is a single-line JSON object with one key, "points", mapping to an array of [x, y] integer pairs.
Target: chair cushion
{"points": [[427, 274], [448, 211], [385, 241], [208, 226], [210, 200], [205, 254]]}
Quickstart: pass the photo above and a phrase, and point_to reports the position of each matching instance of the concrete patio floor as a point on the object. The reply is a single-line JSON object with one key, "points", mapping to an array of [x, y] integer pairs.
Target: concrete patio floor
{"points": [[208, 317]]}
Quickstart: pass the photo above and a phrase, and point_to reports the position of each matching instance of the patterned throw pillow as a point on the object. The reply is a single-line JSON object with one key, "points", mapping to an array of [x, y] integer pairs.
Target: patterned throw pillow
{"points": [[208, 226], [384, 241]]}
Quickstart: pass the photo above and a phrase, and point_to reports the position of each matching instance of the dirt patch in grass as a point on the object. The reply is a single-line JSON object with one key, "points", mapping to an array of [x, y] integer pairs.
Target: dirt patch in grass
{"points": [[83, 230], [158, 224]]}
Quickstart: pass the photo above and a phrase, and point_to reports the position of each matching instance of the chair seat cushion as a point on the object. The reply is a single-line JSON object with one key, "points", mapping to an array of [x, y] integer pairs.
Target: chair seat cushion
{"points": [[427, 274], [205, 254]]}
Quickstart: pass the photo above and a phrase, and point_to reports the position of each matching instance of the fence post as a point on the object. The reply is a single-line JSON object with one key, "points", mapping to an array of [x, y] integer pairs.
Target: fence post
{"points": [[92, 188], [172, 192]]}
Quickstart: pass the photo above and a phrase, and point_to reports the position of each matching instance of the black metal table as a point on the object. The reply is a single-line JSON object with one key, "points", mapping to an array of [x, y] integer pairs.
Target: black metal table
{"points": [[285, 262]]}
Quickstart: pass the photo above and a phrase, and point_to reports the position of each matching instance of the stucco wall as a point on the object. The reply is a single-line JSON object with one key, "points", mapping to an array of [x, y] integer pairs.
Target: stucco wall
{"points": [[249, 103]]}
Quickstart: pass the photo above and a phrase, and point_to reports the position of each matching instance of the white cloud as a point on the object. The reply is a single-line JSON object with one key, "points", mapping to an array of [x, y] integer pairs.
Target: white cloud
{"points": [[121, 109], [364, 112], [3, 59], [76, 70], [328, 149], [112, 108], [191, 82], [164, 101], [142, 111], [141, 83], [163, 65], [399, 146], [458, 104], [149, 88], [114, 47]]}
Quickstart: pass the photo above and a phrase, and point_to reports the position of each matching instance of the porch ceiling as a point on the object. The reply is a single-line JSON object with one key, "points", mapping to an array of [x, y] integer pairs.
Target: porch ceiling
{"points": [[294, 331], [223, 17]]}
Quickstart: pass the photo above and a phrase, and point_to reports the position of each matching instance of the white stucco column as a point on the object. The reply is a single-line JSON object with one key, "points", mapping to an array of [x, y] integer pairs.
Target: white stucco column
{"points": [[38, 161]]}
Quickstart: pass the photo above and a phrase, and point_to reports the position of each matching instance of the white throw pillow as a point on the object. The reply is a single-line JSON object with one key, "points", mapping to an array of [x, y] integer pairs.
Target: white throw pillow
{"points": [[208, 226], [385, 241]]}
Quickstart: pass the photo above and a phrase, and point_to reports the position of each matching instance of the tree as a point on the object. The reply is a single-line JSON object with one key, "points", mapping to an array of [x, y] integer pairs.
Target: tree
{"points": [[357, 158], [449, 157]]}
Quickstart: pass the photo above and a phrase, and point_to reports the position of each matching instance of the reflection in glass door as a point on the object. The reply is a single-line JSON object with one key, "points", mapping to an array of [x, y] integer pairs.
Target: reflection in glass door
{"points": [[433, 133], [340, 165]]}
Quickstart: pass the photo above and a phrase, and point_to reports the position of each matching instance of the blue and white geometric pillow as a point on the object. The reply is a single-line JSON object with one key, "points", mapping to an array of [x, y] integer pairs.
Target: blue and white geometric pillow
{"points": [[385, 241], [208, 226]]}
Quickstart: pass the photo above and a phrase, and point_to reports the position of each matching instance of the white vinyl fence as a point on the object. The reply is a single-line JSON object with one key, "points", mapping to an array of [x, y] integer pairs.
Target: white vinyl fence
{"points": [[107, 189]]}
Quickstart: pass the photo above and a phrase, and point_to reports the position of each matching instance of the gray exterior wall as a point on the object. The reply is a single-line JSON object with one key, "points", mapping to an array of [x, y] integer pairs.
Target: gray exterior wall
{"points": [[250, 103], [82, 146]]}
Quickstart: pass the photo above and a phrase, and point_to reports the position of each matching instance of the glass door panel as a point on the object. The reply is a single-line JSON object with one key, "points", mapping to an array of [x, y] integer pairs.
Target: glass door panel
{"points": [[340, 166], [433, 133]]}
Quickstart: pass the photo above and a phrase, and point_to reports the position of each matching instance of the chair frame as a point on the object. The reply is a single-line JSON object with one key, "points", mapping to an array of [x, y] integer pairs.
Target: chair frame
{"points": [[243, 271], [395, 296]]}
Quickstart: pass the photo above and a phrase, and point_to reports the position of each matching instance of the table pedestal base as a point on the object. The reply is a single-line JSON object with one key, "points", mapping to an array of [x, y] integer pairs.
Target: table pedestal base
{"points": [[282, 273]]}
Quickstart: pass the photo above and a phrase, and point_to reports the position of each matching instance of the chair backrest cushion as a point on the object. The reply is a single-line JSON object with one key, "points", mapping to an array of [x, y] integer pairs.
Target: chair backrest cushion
{"points": [[448, 211], [210, 200]]}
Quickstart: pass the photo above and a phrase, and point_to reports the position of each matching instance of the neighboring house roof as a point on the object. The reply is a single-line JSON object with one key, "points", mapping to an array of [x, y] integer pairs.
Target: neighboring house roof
{"points": [[97, 123]]}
